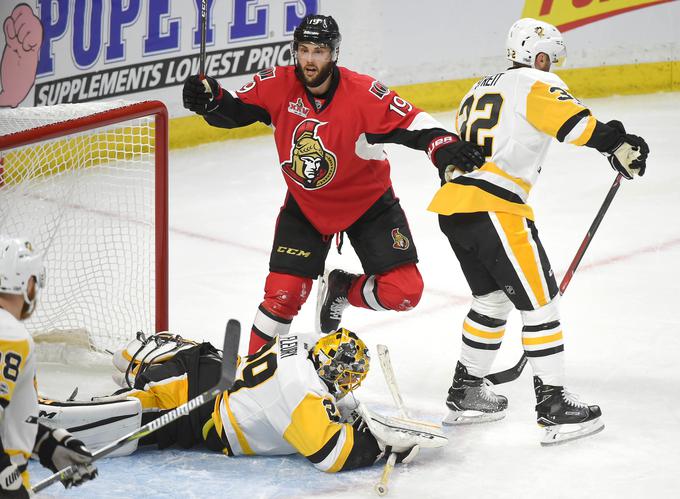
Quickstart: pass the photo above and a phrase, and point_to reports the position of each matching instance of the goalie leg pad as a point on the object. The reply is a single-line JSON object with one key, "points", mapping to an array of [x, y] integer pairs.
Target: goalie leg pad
{"points": [[402, 434], [96, 423]]}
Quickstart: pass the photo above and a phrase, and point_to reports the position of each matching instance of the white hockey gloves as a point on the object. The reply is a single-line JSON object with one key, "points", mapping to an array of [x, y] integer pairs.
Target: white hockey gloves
{"points": [[402, 436], [629, 155], [11, 485], [57, 449]]}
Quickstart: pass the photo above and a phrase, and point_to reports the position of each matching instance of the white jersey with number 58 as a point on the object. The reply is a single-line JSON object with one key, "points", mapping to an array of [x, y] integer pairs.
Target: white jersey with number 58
{"points": [[513, 115]]}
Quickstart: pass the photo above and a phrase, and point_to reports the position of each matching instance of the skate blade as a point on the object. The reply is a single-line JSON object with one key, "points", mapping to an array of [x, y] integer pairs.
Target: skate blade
{"points": [[559, 434], [320, 298], [457, 418]]}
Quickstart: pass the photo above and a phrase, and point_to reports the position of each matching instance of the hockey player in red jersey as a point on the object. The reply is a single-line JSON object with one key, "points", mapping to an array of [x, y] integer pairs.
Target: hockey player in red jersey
{"points": [[330, 126]]}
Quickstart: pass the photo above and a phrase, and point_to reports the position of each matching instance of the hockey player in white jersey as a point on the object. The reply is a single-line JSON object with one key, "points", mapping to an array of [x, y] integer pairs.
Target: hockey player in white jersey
{"points": [[287, 398], [22, 275], [514, 115]]}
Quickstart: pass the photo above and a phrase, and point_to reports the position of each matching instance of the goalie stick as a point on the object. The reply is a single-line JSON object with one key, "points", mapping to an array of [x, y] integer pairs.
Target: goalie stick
{"points": [[514, 372], [232, 336], [391, 381]]}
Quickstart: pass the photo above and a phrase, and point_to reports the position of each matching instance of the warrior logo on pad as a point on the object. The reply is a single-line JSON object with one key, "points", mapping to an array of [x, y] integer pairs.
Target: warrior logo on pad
{"points": [[311, 165]]}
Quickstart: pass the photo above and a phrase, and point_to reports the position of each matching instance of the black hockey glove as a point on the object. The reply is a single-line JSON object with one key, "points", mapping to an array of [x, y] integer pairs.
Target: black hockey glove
{"points": [[11, 484], [629, 154], [404, 456], [448, 152], [198, 98], [58, 449]]}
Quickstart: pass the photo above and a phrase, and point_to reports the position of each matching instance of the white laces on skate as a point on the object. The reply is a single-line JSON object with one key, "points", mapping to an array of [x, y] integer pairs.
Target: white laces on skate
{"points": [[572, 399]]}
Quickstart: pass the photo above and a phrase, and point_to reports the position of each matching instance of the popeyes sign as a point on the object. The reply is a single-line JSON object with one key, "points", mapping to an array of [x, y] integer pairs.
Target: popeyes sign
{"points": [[570, 14]]}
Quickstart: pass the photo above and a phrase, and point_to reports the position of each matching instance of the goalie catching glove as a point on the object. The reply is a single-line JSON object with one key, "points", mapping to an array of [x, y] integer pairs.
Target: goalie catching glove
{"points": [[404, 437], [58, 449], [629, 154]]}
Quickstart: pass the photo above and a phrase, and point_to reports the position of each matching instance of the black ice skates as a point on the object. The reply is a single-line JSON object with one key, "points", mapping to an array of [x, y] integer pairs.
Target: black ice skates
{"points": [[563, 416], [331, 299], [471, 401]]}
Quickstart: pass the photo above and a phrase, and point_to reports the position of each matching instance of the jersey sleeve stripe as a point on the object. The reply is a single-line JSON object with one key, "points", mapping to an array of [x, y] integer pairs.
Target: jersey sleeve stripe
{"points": [[582, 139], [324, 451], [346, 449], [569, 125]]}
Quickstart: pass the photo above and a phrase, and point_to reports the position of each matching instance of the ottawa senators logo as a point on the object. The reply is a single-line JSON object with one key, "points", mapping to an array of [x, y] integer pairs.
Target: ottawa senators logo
{"points": [[401, 242], [311, 165]]}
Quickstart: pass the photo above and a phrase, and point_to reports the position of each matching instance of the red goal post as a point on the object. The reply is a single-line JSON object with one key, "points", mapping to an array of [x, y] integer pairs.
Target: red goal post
{"points": [[88, 184]]}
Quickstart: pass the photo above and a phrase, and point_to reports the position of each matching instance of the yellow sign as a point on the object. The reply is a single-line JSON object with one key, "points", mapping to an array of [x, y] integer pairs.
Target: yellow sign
{"points": [[570, 14]]}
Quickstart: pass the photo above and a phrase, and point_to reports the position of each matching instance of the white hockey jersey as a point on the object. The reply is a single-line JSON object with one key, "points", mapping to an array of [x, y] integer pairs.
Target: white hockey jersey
{"points": [[513, 115], [18, 392], [279, 405]]}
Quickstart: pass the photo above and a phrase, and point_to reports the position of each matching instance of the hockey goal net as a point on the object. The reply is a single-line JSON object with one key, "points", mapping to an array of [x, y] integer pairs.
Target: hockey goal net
{"points": [[87, 184]]}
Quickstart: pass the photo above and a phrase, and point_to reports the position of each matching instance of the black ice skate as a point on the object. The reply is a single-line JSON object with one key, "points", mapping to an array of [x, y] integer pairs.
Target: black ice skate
{"points": [[471, 401], [563, 416], [331, 299]]}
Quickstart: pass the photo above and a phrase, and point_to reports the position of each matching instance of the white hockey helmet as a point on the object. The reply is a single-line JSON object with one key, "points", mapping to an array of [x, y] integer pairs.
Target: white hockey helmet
{"points": [[529, 37], [18, 263]]}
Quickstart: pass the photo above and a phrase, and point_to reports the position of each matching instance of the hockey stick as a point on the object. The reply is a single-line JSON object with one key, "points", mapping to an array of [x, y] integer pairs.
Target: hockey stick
{"points": [[391, 381], [514, 372], [204, 28], [227, 376]]}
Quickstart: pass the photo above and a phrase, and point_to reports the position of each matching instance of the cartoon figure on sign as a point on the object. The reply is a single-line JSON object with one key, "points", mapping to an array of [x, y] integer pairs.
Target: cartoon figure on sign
{"points": [[23, 36], [311, 164]]}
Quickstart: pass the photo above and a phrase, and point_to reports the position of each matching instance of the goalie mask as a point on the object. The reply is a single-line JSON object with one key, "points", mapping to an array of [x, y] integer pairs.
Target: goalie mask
{"points": [[18, 263], [528, 37], [341, 360]]}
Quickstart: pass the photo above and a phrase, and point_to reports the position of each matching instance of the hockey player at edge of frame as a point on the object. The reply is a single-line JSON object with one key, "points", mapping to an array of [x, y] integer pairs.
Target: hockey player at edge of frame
{"points": [[330, 126], [288, 397], [515, 114], [22, 275]]}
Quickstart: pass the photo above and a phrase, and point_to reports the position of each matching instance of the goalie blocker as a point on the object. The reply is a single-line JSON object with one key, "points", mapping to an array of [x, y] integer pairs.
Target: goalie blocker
{"points": [[305, 381]]}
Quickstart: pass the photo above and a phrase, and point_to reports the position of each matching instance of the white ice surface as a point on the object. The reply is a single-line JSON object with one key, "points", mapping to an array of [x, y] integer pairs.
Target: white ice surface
{"points": [[620, 320]]}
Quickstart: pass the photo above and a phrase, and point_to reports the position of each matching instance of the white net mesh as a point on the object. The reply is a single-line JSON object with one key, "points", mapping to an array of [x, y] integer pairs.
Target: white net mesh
{"points": [[88, 201]]}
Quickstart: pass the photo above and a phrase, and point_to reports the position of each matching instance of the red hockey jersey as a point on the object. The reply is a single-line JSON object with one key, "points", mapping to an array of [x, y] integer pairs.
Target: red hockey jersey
{"points": [[331, 152]]}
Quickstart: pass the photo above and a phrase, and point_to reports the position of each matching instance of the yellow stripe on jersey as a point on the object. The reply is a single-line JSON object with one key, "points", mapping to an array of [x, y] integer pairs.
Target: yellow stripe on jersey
{"points": [[549, 107], [245, 446], [493, 168], [163, 395], [311, 428], [13, 356], [483, 334], [344, 453], [587, 133], [456, 198], [519, 240], [542, 339]]}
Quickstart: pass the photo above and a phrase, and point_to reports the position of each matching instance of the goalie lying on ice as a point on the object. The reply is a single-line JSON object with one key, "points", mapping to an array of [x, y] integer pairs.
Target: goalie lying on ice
{"points": [[285, 399]]}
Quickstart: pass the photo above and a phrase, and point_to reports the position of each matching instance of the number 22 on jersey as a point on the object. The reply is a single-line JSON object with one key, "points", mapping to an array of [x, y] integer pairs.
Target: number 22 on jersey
{"points": [[477, 117]]}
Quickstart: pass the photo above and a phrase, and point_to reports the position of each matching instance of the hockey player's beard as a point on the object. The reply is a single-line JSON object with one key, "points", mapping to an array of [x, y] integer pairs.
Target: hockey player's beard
{"points": [[317, 80]]}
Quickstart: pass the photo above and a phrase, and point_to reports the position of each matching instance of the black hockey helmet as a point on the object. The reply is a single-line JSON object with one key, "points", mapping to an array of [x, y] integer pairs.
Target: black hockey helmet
{"points": [[321, 30]]}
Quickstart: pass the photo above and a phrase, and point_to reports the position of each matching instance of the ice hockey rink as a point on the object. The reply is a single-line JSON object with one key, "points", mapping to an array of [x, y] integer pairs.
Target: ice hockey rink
{"points": [[622, 331]]}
